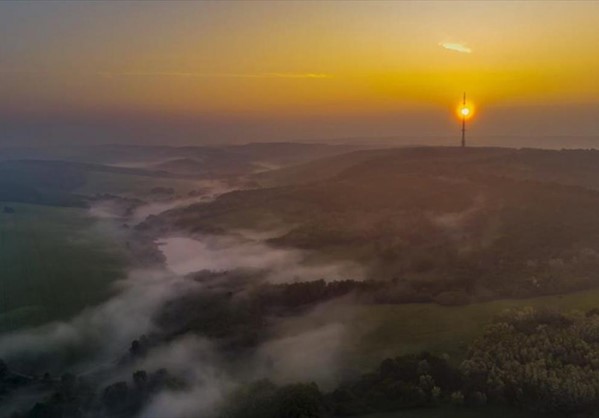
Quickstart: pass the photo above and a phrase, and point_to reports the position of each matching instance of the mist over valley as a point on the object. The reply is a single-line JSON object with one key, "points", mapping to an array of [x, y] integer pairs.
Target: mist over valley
{"points": [[299, 209]]}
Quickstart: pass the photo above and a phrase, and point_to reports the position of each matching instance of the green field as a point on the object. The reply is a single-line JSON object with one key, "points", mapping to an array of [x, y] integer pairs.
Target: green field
{"points": [[375, 332], [382, 331], [53, 263]]}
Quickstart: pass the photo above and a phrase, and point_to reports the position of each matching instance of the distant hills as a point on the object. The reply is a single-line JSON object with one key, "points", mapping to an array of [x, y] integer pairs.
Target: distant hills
{"points": [[282, 153], [54, 183], [52, 176]]}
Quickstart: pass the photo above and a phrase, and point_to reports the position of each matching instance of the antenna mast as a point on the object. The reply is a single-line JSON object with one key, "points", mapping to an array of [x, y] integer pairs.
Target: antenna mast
{"points": [[464, 123]]}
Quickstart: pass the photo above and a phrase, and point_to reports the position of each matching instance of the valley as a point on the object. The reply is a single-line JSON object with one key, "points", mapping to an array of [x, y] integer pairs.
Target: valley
{"points": [[317, 271]]}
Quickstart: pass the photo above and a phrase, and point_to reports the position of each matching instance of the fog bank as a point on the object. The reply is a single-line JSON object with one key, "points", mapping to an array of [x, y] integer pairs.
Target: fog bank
{"points": [[222, 253]]}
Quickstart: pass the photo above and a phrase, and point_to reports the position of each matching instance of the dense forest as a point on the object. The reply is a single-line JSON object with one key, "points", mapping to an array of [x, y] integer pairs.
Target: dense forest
{"points": [[541, 360]]}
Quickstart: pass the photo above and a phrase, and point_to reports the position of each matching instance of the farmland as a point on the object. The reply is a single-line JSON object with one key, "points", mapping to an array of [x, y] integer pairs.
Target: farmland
{"points": [[53, 263]]}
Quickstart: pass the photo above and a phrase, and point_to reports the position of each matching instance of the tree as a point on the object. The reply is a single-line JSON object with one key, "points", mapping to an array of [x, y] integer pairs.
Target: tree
{"points": [[299, 401]]}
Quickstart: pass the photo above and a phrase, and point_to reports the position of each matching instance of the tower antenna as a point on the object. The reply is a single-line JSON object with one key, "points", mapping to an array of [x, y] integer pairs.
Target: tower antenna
{"points": [[464, 123]]}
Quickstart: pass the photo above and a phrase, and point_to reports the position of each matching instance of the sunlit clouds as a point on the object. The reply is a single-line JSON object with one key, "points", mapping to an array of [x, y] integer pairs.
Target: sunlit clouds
{"points": [[457, 47]]}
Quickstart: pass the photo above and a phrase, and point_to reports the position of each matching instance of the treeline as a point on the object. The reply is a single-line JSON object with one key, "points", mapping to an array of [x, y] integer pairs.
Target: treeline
{"points": [[240, 319], [400, 383], [290, 296], [70, 396]]}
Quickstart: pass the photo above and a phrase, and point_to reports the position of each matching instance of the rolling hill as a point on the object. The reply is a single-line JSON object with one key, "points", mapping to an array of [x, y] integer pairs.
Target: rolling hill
{"points": [[445, 224]]}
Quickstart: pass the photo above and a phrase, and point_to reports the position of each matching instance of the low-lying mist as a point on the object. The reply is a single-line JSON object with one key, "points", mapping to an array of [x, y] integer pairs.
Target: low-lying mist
{"points": [[208, 190], [95, 342], [98, 335], [136, 209], [234, 252]]}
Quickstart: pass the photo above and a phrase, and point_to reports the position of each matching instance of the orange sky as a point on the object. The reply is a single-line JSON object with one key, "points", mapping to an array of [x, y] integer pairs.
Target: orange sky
{"points": [[327, 61]]}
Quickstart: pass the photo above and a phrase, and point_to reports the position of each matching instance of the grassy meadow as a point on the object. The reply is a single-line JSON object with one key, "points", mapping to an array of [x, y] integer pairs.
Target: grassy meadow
{"points": [[378, 331], [53, 263], [388, 330]]}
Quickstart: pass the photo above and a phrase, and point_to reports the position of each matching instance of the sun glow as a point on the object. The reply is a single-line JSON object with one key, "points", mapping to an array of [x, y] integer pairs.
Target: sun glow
{"points": [[465, 111]]}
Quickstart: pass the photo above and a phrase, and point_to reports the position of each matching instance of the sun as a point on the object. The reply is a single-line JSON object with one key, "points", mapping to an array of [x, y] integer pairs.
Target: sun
{"points": [[465, 111]]}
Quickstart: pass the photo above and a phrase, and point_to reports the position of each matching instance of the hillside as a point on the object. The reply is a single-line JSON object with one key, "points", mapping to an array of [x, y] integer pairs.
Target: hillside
{"points": [[445, 224], [276, 153], [569, 167]]}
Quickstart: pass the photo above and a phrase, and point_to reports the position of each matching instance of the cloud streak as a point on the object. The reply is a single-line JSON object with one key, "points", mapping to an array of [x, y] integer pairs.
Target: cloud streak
{"points": [[213, 75], [456, 46]]}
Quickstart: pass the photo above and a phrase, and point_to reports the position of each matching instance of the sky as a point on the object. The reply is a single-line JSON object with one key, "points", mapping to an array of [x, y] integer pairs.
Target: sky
{"points": [[234, 72]]}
